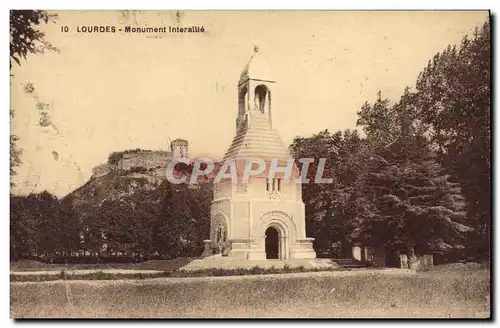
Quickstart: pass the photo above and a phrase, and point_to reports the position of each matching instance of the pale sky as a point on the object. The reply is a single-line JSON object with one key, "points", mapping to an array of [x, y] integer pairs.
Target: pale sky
{"points": [[120, 91]]}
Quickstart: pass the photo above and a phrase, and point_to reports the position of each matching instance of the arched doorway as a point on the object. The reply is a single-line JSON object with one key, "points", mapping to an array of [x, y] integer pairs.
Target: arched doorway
{"points": [[272, 243], [275, 229]]}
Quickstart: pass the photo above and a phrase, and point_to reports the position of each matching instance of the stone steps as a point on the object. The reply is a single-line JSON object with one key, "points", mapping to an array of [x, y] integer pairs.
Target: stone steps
{"points": [[220, 262], [349, 263]]}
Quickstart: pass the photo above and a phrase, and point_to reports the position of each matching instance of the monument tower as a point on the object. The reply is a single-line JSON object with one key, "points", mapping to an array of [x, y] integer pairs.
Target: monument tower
{"points": [[261, 219]]}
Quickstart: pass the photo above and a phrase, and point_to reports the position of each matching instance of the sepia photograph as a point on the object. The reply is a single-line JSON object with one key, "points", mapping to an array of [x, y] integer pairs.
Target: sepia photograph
{"points": [[213, 164]]}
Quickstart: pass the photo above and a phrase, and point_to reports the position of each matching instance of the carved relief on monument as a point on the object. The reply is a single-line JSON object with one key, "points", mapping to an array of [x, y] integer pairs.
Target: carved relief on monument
{"points": [[219, 235], [219, 228], [275, 195], [241, 188]]}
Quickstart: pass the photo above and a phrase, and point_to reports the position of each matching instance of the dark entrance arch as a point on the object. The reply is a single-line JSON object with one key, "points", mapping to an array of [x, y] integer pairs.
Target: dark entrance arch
{"points": [[272, 243]]}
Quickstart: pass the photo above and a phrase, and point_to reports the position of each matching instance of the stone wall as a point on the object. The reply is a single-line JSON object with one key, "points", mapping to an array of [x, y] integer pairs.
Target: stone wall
{"points": [[422, 262], [377, 257], [145, 159]]}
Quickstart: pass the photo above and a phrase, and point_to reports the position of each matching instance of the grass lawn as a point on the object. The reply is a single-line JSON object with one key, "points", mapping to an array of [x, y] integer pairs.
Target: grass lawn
{"points": [[439, 293]]}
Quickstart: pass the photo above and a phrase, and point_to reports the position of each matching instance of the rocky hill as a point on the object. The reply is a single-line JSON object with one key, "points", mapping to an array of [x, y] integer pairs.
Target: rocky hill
{"points": [[112, 187], [139, 211]]}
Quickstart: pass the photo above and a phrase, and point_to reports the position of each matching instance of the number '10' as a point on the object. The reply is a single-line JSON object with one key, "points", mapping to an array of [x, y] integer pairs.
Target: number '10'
{"points": [[64, 29]]}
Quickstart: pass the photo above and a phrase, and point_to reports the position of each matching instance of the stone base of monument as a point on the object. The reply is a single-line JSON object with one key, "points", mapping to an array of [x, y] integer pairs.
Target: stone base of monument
{"points": [[229, 263], [242, 250]]}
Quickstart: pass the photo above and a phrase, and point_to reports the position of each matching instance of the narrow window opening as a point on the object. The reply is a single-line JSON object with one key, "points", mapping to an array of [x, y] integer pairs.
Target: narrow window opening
{"points": [[243, 101], [260, 98]]}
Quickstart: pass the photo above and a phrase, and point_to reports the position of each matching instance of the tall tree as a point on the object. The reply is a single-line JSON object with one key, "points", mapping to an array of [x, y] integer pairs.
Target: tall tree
{"points": [[42, 225], [331, 208], [183, 219], [454, 100], [409, 200]]}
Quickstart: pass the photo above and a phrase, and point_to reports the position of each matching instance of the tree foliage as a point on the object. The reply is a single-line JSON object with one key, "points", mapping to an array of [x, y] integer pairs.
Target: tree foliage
{"points": [[327, 205], [420, 178], [410, 202], [166, 221], [15, 156], [42, 226], [25, 36], [453, 97]]}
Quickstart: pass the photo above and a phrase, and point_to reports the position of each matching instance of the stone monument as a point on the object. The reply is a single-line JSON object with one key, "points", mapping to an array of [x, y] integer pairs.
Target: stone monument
{"points": [[264, 218]]}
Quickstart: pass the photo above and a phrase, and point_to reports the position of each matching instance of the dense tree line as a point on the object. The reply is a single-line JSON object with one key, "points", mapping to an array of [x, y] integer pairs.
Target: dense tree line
{"points": [[165, 222], [453, 96], [419, 180]]}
